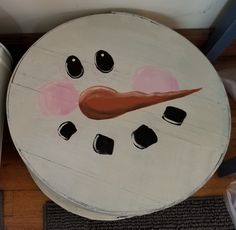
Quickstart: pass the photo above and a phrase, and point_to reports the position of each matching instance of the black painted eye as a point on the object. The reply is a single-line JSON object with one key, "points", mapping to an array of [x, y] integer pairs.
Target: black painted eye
{"points": [[174, 115], [66, 130], [104, 61], [143, 137], [103, 145], [74, 67]]}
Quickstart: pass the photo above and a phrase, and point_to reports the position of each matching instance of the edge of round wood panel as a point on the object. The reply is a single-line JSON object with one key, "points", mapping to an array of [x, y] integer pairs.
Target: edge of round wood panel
{"points": [[132, 212]]}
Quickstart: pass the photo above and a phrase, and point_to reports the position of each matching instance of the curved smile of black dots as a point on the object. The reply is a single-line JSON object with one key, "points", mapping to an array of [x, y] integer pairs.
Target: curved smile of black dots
{"points": [[142, 137]]}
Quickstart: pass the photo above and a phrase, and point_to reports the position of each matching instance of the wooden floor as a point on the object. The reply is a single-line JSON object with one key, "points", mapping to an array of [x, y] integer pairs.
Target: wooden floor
{"points": [[23, 201]]}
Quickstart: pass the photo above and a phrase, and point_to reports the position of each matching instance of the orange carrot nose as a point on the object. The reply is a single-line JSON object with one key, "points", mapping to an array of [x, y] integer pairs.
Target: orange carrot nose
{"points": [[100, 102]]}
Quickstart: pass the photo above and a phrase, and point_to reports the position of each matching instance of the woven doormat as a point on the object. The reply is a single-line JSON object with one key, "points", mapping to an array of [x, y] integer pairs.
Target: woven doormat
{"points": [[195, 213]]}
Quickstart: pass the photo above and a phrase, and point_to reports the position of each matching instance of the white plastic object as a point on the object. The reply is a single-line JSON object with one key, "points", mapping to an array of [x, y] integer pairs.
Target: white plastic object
{"points": [[5, 73], [228, 76], [230, 200]]}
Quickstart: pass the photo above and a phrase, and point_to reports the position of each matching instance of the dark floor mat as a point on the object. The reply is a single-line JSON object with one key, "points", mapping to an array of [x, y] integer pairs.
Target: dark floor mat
{"points": [[194, 213]]}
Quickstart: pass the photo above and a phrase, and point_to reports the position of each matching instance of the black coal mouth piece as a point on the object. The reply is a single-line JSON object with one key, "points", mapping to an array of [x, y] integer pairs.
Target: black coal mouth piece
{"points": [[143, 137]]}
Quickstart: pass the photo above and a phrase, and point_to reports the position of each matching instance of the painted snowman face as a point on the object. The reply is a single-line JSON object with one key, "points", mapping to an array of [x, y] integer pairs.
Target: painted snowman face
{"points": [[116, 120], [152, 86]]}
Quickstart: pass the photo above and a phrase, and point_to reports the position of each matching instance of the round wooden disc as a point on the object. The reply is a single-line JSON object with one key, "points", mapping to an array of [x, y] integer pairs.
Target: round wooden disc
{"points": [[118, 156]]}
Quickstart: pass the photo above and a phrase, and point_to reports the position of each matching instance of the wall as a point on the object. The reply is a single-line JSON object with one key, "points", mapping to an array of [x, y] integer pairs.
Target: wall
{"points": [[30, 16]]}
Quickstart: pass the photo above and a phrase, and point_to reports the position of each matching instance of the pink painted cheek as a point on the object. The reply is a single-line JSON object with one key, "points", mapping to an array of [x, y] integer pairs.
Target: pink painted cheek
{"points": [[58, 98], [150, 79]]}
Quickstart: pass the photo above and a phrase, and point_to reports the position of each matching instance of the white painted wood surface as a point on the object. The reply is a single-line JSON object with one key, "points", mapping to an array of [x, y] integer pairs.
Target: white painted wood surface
{"points": [[5, 74], [131, 181]]}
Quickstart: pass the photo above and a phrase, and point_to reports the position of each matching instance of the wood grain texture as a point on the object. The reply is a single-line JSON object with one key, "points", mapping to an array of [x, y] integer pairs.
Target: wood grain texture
{"points": [[22, 199]]}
